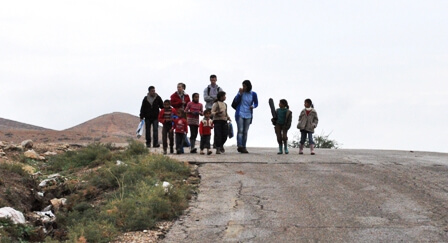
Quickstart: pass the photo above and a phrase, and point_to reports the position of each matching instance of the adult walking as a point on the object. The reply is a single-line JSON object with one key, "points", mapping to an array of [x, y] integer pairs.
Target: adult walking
{"points": [[210, 95], [244, 103], [180, 99], [151, 105], [211, 92]]}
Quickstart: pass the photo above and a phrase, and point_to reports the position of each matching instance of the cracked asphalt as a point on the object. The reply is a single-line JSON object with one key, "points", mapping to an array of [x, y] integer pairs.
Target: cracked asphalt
{"points": [[334, 196]]}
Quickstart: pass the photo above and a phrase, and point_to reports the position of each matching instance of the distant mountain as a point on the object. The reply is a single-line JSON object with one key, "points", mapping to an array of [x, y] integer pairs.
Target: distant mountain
{"points": [[115, 127], [6, 125]]}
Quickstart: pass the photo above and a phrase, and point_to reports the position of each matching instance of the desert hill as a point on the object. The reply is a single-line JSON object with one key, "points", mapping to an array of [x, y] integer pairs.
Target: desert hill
{"points": [[6, 125], [116, 127]]}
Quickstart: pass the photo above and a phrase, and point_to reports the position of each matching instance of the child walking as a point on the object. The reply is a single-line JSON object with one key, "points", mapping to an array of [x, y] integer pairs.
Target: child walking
{"points": [[166, 118], [284, 118], [193, 110], [307, 122], [205, 130], [180, 128], [220, 118]]}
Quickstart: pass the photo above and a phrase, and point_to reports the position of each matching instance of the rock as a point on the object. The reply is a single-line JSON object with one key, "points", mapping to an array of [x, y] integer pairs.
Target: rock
{"points": [[50, 153], [2, 153], [43, 216], [33, 155], [12, 147], [15, 216], [2, 144], [27, 144], [58, 203]]}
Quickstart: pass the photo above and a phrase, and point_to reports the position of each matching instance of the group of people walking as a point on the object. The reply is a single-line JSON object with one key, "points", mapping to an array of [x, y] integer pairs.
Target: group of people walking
{"points": [[180, 114]]}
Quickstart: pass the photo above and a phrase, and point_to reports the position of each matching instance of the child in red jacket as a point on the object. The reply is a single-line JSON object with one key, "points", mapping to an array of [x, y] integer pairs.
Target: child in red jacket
{"points": [[166, 118], [205, 130], [180, 127]]}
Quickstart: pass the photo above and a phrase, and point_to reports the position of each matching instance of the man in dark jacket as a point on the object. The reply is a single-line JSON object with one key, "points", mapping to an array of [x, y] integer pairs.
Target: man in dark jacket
{"points": [[151, 105]]}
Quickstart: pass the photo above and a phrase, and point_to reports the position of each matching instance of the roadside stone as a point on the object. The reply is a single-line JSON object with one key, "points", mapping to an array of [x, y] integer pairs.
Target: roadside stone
{"points": [[27, 144], [33, 155], [15, 216]]}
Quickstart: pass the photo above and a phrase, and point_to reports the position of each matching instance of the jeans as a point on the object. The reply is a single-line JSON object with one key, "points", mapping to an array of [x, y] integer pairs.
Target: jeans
{"points": [[193, 135], [221, 132], [303, 135], [180, 138], [155, 131], [243, 127]]}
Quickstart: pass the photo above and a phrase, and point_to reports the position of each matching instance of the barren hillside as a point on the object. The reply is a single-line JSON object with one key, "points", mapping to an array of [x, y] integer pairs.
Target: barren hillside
{"points": [[115, 127]]}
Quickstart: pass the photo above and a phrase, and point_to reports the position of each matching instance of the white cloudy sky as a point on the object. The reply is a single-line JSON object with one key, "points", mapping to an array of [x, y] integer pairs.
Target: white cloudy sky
{"points": [[377, 71]]}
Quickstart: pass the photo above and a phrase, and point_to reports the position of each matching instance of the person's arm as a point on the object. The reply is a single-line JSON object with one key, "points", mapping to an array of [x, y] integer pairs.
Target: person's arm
{"points": [[160, 118], [255, 99], [315, 120], [160, 102], [175, 101], [142, 109], [207, 97]]}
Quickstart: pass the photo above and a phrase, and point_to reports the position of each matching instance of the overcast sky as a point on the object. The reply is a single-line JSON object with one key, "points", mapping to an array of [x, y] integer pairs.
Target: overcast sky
{"points": [[377, 71]]}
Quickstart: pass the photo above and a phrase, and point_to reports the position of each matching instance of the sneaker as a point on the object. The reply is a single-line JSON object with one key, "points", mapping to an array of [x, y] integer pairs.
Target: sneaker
{"points": [[209, 152], [222, 150], [193, 150]]}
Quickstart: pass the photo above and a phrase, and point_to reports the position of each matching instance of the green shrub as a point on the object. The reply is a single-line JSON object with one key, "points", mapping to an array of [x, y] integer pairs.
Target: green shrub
{"points": [[321, 141], [93, 155]]}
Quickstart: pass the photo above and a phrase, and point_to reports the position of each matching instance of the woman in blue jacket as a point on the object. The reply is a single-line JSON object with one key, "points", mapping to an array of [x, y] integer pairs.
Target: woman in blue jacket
{"points": [[244, 103]]}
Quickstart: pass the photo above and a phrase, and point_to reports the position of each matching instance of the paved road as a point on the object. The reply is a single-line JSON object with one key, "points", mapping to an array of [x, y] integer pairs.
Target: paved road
{"points": [[334, 196]]}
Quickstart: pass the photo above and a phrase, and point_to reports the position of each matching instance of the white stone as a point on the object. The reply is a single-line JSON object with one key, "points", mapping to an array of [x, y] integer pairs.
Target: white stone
{"points": [[50, 153], [27, 144], [15, 216]]}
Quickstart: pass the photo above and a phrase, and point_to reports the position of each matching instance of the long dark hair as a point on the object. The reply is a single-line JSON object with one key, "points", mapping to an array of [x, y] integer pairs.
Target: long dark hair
{"points": [[192, 97], [248, 85], [284, 102], [219, 95]]}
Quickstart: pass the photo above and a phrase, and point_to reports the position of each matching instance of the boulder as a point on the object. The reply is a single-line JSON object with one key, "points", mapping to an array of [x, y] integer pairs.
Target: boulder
{"points": [[33, 155], [2, 153], [27, 144], [57, 203], [2, 144], [15, 216]]}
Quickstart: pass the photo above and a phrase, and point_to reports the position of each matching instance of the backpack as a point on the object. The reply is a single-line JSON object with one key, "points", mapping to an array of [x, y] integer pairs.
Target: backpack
{"points": [[208, 90]]}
